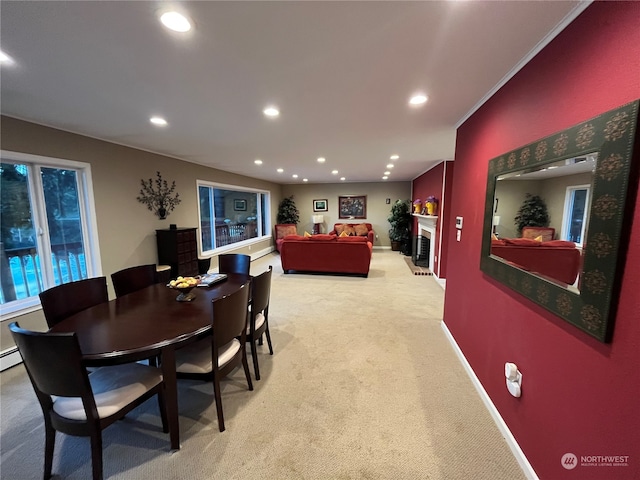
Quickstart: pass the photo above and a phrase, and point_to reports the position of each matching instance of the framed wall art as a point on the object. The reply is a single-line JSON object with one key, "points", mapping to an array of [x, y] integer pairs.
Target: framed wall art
{"points": [[352, 206], [321, 205]]}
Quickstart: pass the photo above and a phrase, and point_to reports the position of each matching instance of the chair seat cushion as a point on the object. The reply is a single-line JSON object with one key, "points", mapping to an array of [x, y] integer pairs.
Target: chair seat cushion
{"points": [[196, 358], [259, 322], [113, 389]]}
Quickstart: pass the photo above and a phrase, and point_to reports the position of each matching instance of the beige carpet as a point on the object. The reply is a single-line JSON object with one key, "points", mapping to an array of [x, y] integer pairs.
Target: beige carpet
{"points": [[363, 385]]}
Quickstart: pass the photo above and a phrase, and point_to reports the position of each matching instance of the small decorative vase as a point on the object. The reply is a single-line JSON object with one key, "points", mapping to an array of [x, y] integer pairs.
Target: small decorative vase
{"points": [[417, 208], [431, 208], [162, 213]]}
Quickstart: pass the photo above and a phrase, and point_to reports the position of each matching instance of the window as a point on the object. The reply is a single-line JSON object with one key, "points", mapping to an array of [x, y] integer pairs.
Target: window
{"points": [[47, 227], [574, 220], [231, 215]]}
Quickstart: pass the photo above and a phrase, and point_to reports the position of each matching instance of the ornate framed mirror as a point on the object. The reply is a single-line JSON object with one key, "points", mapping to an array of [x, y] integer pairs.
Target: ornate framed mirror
{"points": [[586, 176]]}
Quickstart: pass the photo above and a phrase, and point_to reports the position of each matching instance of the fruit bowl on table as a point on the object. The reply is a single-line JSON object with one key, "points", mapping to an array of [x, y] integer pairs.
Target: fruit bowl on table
{"points": [[184, 285]]}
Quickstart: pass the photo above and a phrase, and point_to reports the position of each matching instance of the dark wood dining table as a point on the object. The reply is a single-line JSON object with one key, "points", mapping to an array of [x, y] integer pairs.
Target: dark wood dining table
{"points": [[146, 323]]}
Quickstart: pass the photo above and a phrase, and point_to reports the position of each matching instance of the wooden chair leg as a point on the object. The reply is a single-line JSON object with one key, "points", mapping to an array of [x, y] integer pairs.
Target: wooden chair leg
{"points": [[218, 397], [260, 342], [162, 405], [254, 356], [96, 455], [266, 332], [49, 444], [245, 364]]}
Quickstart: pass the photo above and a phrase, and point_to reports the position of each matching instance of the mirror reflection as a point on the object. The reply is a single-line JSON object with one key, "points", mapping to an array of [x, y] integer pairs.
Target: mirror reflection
{"points": [[540, 218]]}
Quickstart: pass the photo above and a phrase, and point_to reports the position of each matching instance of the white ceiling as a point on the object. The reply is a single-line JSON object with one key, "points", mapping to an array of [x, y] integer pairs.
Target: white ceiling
{"points": [[340, 72]]}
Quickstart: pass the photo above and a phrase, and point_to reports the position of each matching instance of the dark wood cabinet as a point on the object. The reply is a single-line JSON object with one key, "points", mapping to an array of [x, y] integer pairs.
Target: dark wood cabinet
{"points": [[178, 248]]}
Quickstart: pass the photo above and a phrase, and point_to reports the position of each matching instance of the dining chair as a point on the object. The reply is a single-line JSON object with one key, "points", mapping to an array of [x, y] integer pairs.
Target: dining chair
{"points": [[131, 279], [259, 315], [216, 355], [234, 263], [76, 403], [64, 300]]}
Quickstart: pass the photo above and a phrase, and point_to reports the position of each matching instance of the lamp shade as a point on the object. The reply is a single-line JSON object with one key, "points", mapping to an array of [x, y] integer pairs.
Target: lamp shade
{"points": [[317, 218]]}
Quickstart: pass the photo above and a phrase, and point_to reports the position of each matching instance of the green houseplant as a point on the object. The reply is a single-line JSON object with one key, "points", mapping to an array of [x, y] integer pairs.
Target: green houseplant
{"points": [[400, 231], [288, 212], [532, 213]]}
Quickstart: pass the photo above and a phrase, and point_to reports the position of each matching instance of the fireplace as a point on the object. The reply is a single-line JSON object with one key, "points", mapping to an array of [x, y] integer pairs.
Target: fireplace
{"points": [[421, 250], [427, 230]]}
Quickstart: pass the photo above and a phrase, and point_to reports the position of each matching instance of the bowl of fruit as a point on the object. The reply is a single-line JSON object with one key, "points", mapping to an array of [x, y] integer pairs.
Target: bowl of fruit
{"points": [[184, 285]]}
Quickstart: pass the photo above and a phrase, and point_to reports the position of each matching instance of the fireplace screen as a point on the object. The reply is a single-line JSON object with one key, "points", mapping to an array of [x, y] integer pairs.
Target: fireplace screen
{"points": [[420, 255]]}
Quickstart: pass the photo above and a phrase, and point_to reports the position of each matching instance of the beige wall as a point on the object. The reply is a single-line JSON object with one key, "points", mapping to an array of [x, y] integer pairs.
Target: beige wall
{"points": [[126, 229], [377, 208]]}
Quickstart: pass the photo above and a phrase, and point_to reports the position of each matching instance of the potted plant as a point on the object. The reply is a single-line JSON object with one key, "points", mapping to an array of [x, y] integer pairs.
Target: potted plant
{"points": [[532, 213], [288, 212], [400, 220], [431, 204]]}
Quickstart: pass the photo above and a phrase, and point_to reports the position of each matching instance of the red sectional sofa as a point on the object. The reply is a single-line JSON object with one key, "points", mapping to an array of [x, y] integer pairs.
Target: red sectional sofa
{"points": [[326, 253], [339, 227], [557, 259]]}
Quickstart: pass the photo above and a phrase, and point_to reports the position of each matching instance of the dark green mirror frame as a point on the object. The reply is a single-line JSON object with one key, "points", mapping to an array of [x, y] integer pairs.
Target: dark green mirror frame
{"points": [[612, 135]]}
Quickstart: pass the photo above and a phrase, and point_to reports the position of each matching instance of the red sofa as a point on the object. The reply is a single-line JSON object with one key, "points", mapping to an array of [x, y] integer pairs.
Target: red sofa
{"points": [[557, 259], [370, 233], [326, 253]]}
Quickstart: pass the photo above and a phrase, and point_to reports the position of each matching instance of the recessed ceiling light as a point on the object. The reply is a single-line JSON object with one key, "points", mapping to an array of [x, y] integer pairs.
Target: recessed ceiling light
{"points": [[321, 159], [385, 177], [305, 179], [394, 157], [159, 121], [5, 59], [418, 99], [271, 111], [335, 172], [280, 170], [294, 175], [391, 165], [175, 21], [387, 173], [257, 161], [342, 178]]}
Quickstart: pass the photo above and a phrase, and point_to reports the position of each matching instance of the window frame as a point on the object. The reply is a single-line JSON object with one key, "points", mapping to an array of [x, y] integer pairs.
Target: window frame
{"points": [[86, 203], [569, 198], [260, 216]]}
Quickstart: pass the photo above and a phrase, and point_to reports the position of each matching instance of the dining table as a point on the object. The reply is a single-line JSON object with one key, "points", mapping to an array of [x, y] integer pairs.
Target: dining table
{"points": [[146, 323]]}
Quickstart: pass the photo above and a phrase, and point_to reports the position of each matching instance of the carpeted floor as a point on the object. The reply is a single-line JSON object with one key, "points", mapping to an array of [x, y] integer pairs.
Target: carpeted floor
{"points": [[363, 385]]}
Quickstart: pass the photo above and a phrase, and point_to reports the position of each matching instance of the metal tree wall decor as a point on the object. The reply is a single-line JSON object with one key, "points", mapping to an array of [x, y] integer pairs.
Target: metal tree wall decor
{"points": [[158, 196]]}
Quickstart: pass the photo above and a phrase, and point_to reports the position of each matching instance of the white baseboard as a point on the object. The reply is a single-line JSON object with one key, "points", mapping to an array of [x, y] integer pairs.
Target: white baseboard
{"points": [[495, 414], [441, 281], [382, 247], [262, 253], [9, 358]]}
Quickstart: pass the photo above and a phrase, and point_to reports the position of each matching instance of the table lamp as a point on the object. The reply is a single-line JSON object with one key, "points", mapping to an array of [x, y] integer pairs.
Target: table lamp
{"points": [[317, 220]]}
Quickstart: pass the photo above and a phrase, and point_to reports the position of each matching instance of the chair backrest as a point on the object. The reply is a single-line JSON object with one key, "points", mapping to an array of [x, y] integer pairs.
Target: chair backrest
{"points": [[134, 278], [260, 292], [65, 300], [234, 263], [230, 316], [53, 362]]}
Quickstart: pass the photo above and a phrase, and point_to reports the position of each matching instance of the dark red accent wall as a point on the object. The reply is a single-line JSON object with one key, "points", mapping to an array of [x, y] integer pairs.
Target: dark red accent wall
{"points": [[579, 396], [431, 183]]}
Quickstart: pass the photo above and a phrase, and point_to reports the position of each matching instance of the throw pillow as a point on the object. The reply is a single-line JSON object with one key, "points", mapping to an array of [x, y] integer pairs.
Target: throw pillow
{"points": [[349, 229], [307, 234], [538, 238], [361, 229], [339, 228], [343, 234]]}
